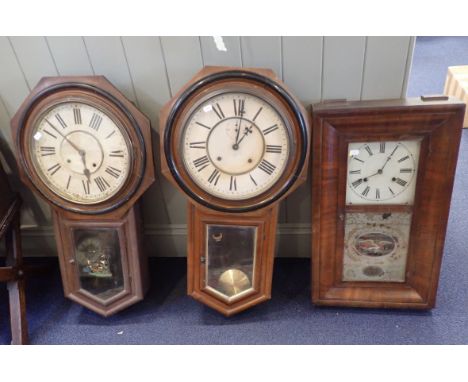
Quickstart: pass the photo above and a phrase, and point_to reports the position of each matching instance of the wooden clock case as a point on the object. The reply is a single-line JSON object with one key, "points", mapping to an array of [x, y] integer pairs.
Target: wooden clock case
{"points": [[120, 212], [205, 209], [438, 123]]}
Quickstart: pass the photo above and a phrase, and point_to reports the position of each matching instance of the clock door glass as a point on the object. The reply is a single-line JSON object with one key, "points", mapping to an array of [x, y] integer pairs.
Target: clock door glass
{"points": [[97, 254], [235, 146], [80, 153], [382, 172], [376, 246], [230, 260]]}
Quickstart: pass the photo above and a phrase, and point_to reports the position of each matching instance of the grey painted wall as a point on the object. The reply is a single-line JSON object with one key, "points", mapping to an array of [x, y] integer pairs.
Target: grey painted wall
{"points": [[149, 70]]}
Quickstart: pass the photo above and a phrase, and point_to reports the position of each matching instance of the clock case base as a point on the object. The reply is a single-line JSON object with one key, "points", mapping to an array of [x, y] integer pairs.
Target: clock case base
{"points": [[264, 221], [134, 267], [438, 124]]}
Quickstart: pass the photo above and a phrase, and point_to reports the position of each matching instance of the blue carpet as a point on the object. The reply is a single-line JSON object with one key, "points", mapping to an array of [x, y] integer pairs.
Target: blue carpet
{"points": [[168, 316]]}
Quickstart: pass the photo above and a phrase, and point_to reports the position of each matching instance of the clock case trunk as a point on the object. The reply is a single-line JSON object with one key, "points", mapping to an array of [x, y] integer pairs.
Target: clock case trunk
{"points": [[438, 123], [128, 259]]}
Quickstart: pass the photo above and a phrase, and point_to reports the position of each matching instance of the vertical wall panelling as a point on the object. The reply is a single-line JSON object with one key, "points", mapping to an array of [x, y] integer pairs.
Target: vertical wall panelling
{"points": [[148, 71], [302, 73], [70, 56], [183, 59], [34, 57], [262, 52], [213, 53], [108, 59], [343, 61], [385, 66]]}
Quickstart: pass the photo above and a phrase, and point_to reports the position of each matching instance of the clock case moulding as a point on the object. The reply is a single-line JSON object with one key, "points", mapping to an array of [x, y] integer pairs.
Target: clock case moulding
{"points": [[204, 209], [437, 122], [120, 212]]}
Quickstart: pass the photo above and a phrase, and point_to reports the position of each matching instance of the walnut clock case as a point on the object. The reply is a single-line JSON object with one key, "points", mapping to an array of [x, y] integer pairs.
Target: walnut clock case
{"points": [[382, 184], [86, 149], [236, 142]]}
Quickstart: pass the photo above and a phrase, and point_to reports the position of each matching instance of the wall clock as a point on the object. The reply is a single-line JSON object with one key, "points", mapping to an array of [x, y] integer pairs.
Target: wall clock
{"points": [[86, 150], [236, 142], [382, 184]]}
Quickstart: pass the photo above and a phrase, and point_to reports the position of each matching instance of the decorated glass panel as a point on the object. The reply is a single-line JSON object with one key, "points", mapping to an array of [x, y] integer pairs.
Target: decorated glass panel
{"points": [[230, 259], [98, 257]]}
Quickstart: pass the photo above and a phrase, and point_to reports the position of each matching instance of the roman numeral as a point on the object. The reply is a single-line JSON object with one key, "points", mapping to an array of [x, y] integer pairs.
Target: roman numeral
{"points": [[47, 132], [95, 122], [112, 171], [117, 153], [406, 170], [77, 115], [377, 193], [68, 182], [403, 159], [366, 191], [201, 162], [86, 186], [239, 110], [60, 120], [101, 183], [401, 182], [197, 145], [256, 115], [267, 166], [382, 147], [391, 191], [252, 179], [355, 172], [233, 184], [356, 183], [54, 168], [270, 129], [218, 111], [359, 160], [47, 150], [273, 149], [214, 177], [368, 149], [202, 125], [110, 135]]}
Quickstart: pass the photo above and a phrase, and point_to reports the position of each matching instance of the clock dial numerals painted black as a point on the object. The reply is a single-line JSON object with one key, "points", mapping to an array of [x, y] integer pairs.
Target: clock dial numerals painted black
{"points": [[80, 153], [382, 172], [235, 145]]}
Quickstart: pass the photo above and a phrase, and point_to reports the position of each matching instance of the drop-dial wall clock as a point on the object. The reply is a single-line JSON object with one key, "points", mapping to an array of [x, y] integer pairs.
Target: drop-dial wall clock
{"points": [[381, 188], [87, 151], [235, 141]]}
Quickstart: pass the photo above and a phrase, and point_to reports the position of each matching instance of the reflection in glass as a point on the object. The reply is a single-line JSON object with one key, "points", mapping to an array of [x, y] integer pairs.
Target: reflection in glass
{"points": [[97, 253], [230, 259]]}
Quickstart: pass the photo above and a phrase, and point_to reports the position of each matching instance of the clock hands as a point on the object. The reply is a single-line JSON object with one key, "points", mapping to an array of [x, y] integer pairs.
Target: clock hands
{"points": [[248, 130]]}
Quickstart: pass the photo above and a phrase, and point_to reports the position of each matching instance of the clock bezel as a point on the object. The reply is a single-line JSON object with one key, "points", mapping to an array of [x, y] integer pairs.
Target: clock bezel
{"points": [[227, 81], [96, 96]]}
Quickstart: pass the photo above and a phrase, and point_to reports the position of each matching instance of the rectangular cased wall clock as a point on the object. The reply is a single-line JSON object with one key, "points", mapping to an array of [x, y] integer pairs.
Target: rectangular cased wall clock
{"points": [[383, 174]]}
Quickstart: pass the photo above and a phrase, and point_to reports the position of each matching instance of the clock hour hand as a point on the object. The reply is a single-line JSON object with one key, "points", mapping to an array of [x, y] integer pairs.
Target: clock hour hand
{"points": [[247, 131]]}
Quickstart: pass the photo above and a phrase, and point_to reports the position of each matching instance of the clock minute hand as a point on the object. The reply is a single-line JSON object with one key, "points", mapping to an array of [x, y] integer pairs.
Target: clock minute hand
{"points": [[64, 137]]}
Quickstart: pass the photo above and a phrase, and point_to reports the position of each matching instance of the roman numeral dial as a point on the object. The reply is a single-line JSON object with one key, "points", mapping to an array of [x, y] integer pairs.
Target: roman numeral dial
{"points": [[382, 172], [80, 153], [235, 145]]}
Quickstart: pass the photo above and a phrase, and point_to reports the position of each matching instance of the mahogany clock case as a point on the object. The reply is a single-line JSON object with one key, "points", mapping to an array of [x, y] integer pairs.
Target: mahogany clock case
{"points": [[257, 215], [111, 227], [437, 125]]}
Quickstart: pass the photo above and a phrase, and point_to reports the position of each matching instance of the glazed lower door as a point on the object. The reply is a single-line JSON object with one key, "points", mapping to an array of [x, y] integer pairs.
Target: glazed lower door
{"points": [[230, 260]]}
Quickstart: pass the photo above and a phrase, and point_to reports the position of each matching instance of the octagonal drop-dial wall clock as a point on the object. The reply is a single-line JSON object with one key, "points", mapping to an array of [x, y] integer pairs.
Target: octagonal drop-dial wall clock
{"points": [[236, 142], [86, 149]]}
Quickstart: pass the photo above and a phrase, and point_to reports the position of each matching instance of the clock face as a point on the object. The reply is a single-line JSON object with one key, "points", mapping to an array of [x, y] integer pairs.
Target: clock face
{"points": [[235, 145], [80, 153], [382, 172]]}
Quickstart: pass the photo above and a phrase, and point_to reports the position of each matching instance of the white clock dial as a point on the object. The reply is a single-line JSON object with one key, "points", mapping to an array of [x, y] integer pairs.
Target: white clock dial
{"points": [[235, 146], [80, 153], [382, 172]]}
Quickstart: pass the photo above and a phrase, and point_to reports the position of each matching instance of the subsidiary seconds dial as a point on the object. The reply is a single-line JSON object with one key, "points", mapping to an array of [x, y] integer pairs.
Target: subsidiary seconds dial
{"points": [[80, 152], [235, 145], [382, 172]]}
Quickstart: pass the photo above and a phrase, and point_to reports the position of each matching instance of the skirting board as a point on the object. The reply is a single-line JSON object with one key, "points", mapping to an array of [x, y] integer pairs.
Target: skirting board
{"points": [[293, 240]]}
